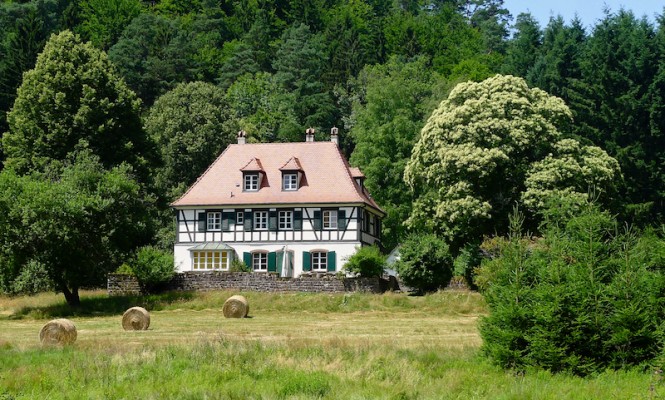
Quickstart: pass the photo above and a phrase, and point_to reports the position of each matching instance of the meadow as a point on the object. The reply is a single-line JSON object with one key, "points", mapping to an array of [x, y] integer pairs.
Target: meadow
{"points": [[293, 346]]}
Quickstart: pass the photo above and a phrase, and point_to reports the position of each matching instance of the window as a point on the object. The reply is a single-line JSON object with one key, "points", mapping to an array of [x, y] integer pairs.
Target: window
{"points": [[251, 182], [290, 182], [260, 220], [240, 218], [319, 261], [214, 221], [329, 219], [285, 220], [260, 261], [209, 260]]}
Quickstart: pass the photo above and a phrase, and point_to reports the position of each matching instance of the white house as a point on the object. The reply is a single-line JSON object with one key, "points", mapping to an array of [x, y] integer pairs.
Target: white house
{"points": [[286, 208]]}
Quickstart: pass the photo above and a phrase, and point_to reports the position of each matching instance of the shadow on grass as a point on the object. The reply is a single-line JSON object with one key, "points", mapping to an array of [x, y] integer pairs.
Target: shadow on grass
{"points": [[102, 306]]}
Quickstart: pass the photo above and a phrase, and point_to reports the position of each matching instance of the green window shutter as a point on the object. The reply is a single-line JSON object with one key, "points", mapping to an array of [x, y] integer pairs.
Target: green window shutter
{"points": [[202, 222], [306, 261], [272, 220], [317, 220], [297, 220], [248, 221], [341, 220], [227, 219], [247, 258], [272, 262], [332, 261], [280, 261]]}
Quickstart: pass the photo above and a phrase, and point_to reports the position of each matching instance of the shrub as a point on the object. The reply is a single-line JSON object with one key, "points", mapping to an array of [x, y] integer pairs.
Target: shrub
{"points": [[239, 266], [366, 262], [585, 297], [32, 279], [425, 263], [152, 267]]}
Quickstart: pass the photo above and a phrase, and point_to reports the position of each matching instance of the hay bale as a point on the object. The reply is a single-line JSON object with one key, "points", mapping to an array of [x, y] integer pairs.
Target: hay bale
{"points": [[136, 319], [236, 307], [58, 332]]}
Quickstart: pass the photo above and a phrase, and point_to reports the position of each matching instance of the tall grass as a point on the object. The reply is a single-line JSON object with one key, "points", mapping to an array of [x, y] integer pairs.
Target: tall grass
{"points": [[295, 346]]}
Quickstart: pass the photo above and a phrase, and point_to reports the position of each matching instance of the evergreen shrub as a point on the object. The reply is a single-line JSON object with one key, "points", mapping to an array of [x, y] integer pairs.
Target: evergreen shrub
{"points": [[586, 297], [366, 262], [425, 263]]}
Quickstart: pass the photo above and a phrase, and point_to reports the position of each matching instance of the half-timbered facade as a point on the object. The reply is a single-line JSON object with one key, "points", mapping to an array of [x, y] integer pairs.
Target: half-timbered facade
{"points": [[286, 208]]}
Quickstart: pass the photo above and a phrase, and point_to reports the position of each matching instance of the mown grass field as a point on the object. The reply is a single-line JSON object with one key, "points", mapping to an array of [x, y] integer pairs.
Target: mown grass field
{"points": [[294, 346]]}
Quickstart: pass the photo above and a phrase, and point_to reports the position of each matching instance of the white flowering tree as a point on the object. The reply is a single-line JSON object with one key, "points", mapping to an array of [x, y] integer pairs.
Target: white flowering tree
{"points": [[492, 145]]}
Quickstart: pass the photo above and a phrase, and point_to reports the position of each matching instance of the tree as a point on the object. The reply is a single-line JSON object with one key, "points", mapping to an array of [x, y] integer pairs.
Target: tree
{"points": [[190, 125], [264, 109], [366, 262], [299, 65], [392, 104], [583, 298], [102, 21], [477, 150], [149, 56], [425, 263], [73, 100], [524, 47], [79, 224], [620, 66]]}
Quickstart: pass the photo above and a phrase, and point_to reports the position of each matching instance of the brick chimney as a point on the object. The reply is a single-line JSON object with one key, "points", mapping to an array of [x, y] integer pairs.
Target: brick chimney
{"points": [[334, 135], [309, 134], [242, 137]]}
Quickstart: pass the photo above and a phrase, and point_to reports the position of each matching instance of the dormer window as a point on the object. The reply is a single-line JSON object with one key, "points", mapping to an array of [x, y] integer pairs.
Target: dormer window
{"points": [[251, 182], [290, 181]]}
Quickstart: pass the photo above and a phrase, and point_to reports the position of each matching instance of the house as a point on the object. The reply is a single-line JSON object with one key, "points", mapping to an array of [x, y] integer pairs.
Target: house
{"points": [[286, 208]]}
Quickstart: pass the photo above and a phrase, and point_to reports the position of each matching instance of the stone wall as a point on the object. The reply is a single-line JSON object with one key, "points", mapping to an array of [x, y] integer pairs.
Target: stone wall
{"points": [[118, 284]]}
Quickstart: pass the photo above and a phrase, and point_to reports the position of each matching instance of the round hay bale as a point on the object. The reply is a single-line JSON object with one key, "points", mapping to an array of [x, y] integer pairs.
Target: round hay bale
{"points": [[58, 332], [136, 319], [236, 307]]}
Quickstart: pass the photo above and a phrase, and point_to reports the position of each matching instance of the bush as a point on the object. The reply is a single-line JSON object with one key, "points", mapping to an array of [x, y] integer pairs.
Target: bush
{"points": [[152, 267], [366, 262], [584, 298], [239, 266], [32, 279], [425, 263]]}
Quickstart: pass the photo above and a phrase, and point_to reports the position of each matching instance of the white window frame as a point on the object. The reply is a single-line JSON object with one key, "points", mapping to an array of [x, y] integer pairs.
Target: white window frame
{"points": [[260, 220], [285, 219], [319, 261], [329, 219], [290, 181], [240, 218], [251, 182], [209, 260], [260, 261], [214, 221]]}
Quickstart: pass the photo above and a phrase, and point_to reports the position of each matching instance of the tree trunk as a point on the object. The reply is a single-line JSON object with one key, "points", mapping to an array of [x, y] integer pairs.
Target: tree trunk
{"points": [[71, 296]]}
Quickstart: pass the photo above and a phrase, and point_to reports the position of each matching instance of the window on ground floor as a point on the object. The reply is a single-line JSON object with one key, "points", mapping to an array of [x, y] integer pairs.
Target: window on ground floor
{"points": [[260, 262], [210, 260], [319, 261]]}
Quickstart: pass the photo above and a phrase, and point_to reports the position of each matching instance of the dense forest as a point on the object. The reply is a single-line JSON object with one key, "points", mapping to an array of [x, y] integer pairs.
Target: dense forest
{"points": [[148, 93]]}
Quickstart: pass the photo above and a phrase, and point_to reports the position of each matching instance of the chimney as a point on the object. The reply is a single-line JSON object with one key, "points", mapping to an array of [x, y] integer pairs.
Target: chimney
{"points": [[309, 135], [242, 137], [334, 137]]}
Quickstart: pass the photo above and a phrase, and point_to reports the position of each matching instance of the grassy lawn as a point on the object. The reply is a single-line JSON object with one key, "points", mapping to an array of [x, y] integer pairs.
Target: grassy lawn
{"points": [[294, 346]]}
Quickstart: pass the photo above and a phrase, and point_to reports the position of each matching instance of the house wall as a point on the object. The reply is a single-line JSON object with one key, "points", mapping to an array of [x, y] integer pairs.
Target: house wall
{"points": [[306, 238]]}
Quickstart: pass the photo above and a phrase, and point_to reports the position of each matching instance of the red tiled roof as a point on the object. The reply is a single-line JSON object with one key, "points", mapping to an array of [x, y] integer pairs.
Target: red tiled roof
{"points": [[327, 179], [253, 165], [292, 165], [356, 172]]}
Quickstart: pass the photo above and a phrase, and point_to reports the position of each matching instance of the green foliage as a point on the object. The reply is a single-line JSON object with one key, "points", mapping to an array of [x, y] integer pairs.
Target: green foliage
{"points": [[584, 298], [391, 105], [79, 224], [367, 261], [73, 100], [32, 279], [237, 265], [425, 263], [191, 125], [492, 144], [153, 266], [102, 21]]}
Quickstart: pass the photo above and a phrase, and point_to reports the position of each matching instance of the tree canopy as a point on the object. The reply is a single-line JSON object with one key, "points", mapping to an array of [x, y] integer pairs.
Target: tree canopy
{"points": [[73, 100], [488, 146]]}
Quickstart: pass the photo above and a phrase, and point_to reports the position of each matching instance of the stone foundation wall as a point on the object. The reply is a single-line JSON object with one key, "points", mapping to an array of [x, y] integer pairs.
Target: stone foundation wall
{"points": [[118, 284]]}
